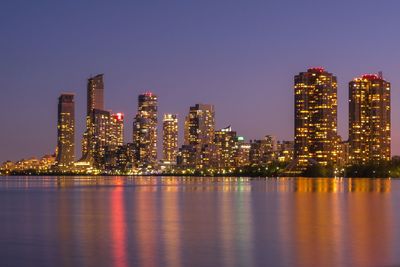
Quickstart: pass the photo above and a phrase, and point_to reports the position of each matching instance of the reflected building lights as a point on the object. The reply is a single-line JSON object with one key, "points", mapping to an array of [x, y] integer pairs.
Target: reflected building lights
{"points": [[171, 227], [118, 226]]}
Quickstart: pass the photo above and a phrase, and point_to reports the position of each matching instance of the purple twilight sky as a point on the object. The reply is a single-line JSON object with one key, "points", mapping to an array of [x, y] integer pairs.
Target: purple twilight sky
{"points": [[240, 56]]}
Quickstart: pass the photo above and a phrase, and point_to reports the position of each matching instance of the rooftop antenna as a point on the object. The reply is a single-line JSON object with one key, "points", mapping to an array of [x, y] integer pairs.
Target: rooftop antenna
{"points": [[380, 74]]}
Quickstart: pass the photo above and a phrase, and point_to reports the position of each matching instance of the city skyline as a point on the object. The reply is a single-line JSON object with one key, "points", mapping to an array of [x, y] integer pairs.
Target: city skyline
{"points": [[226, 63], [110, 127], [210, 151]]}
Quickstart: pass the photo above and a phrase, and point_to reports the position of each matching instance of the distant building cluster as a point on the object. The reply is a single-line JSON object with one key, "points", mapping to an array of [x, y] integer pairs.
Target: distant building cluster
{"points": [[210, 151]]}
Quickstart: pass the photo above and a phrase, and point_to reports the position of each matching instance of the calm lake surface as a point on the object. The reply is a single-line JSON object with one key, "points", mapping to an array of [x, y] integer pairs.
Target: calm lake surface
{"points": [[171, 221]]}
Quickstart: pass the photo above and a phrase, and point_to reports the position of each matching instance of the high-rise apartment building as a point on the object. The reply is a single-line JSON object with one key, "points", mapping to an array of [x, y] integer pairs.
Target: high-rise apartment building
{"points": [[95, 101], [99, 137], [199, 132], [226, 149], [116, 131], [170, 138], [120, 159], [369, 119], [315, 129], [242, 157], [145, 132], [95, 93], [105, 135], [66, 132]]}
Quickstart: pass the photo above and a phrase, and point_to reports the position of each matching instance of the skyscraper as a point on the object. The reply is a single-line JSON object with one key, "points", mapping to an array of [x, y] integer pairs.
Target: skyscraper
{"points": [[145, 132], [99, 137], [95, 93], [226, 145], [315, 129], [170, 138], [199, 132], [116, 132], [66, 132], [369, 119], [95, 101]]}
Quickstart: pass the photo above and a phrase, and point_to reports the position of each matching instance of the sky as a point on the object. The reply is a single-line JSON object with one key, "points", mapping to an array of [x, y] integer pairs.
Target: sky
{"points": [[240, 56]]}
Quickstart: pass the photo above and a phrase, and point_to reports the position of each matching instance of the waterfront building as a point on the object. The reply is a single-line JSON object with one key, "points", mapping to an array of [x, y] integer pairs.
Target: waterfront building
{"points": [[242, 157], [369, 119], [170, 139], [47, 162], [66, 132], [315, 127], [145, 132], [285, 151], [95, 93], [30, 165], [226, 148], [116, 133], [7, 167], [208, 158], [120, 160], [99, 137], [114, 142], [186, 159], [262, 152], [95, 101], [343, 153], [199, 132], [105, 135]]}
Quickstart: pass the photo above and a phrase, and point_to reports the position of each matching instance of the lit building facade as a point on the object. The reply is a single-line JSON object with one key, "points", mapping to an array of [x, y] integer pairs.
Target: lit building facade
{"points": [[369, 119], [105, 135], [95, 93], [263, 152], [99, 137], [242, 157], [315, 129], [120, 160], [208, 158], [145, 132], [66, 132], [343, 153], [170, 138], [199, 133], [34, 165], [95, 101], [226, 148], [186, 159], [285, 151], [116, 132]]}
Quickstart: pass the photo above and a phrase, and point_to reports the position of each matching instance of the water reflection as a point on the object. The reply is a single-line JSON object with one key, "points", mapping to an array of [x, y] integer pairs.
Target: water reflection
{"points": [[171, 227], [146, 226], [175, 221], [118, 227]]}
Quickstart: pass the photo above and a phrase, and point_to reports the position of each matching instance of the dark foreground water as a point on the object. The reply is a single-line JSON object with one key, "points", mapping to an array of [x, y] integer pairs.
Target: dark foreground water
{"points": [[119, 221]]}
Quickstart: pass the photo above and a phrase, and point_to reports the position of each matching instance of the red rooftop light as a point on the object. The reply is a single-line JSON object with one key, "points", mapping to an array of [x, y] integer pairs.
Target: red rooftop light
{"points": [[370, 77], [318, 69], [119, 116], [148, 93]]}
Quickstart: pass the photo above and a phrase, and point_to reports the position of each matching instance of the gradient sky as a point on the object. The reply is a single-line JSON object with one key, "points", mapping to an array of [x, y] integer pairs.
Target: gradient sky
{"points": [[239, 55]]}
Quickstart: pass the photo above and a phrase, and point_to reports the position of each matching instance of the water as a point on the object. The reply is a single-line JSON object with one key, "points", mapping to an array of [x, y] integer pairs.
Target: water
{"points": [[170, 221]]}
